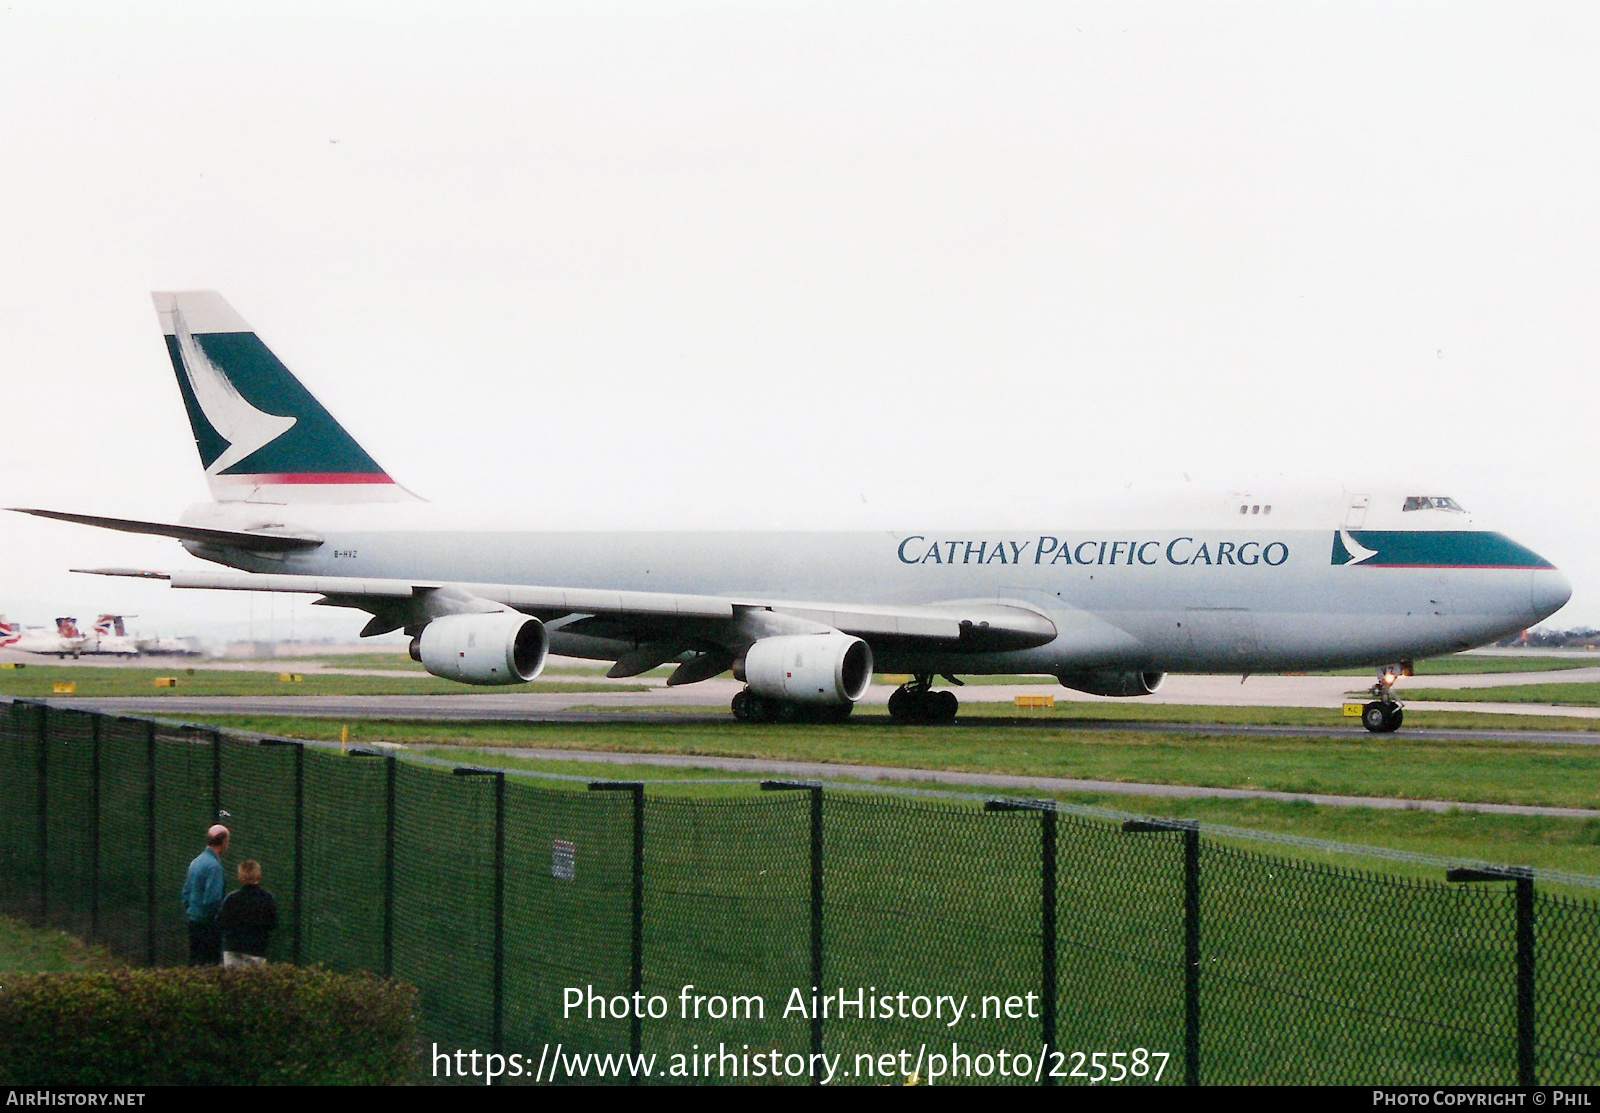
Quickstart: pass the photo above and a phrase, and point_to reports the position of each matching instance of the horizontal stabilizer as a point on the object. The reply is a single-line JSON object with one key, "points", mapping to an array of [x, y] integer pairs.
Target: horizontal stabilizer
{"points": [[228, 538]]}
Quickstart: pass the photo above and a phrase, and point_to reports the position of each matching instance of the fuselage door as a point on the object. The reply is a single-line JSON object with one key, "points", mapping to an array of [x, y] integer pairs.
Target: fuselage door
{"points": [[1356, 516]]}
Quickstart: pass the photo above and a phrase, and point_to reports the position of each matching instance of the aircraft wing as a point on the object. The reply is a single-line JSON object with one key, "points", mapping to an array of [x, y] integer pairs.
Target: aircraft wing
{"points": [[261, 542], [978, 625]]}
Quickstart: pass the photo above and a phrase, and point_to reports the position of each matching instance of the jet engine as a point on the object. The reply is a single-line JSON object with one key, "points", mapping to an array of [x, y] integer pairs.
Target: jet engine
{"points": [[830, 669], [1106, 682], [499, 648]]}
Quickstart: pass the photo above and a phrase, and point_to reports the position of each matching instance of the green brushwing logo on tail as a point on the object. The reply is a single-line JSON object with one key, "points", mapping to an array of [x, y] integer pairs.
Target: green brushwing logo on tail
{"points": [[252, 417], [1432, 549]]}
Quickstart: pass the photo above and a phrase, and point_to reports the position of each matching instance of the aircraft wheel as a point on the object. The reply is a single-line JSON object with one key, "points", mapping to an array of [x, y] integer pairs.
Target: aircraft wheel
{"points": [[1396, 717], [903, 706], [1380, 718], [752, 707], [919, 705], [914, 707]]}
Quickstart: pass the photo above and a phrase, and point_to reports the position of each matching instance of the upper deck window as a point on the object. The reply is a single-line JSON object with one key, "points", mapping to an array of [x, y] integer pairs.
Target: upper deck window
{"points": [[1432, 502]]}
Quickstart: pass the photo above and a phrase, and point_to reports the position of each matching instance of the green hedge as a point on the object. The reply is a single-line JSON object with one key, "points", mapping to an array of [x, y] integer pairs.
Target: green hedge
{"points": [[273, 1024]]}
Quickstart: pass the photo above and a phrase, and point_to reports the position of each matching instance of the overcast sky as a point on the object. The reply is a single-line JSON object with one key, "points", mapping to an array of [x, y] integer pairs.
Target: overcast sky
{"points": [[796, 260]]}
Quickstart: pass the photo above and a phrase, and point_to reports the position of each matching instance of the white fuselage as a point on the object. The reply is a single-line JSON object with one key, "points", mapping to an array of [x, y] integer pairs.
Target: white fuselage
{"points": [[110, 645], [1291, 589], [43, 640]]}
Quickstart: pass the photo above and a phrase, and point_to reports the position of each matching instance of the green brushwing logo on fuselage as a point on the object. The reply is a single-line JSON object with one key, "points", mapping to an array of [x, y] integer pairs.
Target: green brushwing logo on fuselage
{"points": [[1432, 549]]}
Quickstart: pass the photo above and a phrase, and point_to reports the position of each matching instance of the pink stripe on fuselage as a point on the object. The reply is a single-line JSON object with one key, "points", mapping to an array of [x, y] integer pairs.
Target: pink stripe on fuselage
{"points": [[319, 478]]}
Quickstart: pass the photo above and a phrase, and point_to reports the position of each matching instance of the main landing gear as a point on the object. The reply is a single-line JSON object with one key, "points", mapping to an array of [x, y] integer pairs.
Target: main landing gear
{"points": [[753, 707], [917, 702], [1384, 714]]}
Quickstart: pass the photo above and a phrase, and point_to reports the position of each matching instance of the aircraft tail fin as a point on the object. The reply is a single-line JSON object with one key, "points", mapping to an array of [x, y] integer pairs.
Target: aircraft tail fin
{"points": [[261, 435], [9, 633], [67, 628], [110, 625]]}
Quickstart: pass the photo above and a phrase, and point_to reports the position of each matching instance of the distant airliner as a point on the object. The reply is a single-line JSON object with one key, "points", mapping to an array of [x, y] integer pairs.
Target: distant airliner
{"points": [[64, 641], [111, 638], [1242, 585]]}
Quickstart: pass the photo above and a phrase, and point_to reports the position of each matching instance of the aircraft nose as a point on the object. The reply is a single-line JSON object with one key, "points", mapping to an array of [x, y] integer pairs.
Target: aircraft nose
{"points": [[1550, 591]]}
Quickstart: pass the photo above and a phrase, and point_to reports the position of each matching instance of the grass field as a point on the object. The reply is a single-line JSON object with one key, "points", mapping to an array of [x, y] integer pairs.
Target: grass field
{"points": [[399, 662], [37, 681], [1571, 845], [28, 950], [1350, 765], [1567, 695]]}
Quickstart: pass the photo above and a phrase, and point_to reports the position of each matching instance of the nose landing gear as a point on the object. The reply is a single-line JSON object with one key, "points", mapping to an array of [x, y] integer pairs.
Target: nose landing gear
{"points": [[1384, 714], [917, 702]]}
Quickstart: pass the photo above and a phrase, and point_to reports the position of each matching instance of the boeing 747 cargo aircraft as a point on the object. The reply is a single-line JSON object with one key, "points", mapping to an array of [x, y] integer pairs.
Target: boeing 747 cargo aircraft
{"points": [[803, 619]]}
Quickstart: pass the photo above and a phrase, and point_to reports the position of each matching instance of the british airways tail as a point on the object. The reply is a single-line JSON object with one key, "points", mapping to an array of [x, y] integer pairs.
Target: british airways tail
{"points": [[261, 435]]}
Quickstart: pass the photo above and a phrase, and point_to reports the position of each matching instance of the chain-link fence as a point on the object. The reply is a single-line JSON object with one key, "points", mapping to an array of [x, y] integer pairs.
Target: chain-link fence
{"points": [[806, 920]]}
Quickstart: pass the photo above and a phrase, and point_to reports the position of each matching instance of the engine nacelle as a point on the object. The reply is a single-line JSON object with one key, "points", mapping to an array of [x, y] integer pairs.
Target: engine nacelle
{"points": [[499, 648], [1105, 682], [830, 669]]}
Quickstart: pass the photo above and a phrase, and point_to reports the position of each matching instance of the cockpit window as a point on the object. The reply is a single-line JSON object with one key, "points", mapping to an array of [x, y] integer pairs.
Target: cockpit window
{"points": [[1432, 502]]}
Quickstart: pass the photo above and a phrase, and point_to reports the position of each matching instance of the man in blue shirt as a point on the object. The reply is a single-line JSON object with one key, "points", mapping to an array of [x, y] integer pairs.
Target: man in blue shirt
{"points": [[203, 890]]}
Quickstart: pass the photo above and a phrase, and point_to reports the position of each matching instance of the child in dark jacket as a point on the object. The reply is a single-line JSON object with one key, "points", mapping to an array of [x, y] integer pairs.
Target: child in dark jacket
{"points": [[247, 918]]}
